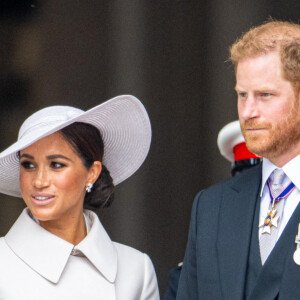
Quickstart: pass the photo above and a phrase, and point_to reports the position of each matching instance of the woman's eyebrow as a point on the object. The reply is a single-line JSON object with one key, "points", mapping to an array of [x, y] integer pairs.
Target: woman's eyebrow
{"points": [[49, 157], [54, 156], [27, 156]]}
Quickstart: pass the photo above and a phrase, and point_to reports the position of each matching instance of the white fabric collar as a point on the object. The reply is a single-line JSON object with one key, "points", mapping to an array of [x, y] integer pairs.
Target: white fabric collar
{"points": [[48, 254], [291, 169]]}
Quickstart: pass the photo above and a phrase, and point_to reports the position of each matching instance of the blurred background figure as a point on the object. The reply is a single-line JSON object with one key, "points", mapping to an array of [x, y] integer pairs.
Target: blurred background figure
{"points": [[232, 146]]}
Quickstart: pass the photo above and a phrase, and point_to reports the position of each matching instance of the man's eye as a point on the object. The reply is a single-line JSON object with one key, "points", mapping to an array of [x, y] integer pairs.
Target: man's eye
{"points": [[57, 165], [242, 95], [27, 165]]}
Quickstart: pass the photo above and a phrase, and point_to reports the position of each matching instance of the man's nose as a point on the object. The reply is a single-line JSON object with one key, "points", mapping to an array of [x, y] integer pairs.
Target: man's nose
{"points": [[248, 109]]}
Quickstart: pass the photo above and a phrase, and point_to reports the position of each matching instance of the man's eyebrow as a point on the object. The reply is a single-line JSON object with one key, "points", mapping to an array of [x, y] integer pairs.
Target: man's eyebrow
{"points": [[237, 89]]}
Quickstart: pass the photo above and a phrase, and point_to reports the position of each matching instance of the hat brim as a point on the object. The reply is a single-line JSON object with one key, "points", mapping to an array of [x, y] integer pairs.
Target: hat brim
{"points": [[126, 131]]}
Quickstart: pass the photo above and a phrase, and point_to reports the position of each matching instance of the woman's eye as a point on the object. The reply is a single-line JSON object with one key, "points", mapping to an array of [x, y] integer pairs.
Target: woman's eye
{"points": [[27, 165], [57, 165]]}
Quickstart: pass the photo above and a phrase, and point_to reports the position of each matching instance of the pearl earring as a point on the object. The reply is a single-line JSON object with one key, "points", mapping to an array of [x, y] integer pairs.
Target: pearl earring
{"points": [[89, 187]]}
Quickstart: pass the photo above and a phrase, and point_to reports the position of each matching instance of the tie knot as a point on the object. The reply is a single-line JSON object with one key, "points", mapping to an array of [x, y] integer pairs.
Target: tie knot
{"points": [[278, 176]]}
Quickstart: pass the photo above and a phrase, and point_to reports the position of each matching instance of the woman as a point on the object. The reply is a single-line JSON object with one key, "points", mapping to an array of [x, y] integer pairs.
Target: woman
{"points": [[64, 165]]}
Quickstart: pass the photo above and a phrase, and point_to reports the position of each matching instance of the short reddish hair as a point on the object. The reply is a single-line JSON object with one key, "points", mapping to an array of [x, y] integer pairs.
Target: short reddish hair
{"points": [[272, 36]]}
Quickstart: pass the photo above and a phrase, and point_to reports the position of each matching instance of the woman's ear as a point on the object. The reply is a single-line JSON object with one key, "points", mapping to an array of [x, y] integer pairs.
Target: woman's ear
{"points": [[94, 171]]}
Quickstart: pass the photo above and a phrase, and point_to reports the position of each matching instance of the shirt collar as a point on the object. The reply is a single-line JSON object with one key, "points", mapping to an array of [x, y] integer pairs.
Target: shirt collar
{"points": [[48, 254], [291, 169], [267, 169]]}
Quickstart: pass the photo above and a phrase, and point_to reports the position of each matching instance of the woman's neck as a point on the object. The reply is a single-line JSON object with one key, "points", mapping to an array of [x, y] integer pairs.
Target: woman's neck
{"points": [[72, 229]]}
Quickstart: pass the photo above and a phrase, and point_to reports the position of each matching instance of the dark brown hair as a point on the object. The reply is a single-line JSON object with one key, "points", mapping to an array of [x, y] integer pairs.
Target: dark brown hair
{"points": [[87, 142]]}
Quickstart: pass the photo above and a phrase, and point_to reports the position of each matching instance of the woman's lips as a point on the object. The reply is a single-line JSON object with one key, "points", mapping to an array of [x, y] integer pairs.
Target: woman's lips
{"points": [[42, 199]]}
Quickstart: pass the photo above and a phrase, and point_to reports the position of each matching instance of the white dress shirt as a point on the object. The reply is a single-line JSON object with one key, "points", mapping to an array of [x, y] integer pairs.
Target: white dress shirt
{"points": [[35, 264], [291, 169]]}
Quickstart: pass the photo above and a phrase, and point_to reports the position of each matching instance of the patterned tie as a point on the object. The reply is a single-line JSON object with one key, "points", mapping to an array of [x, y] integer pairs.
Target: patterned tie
{"points": [[267, 241]]}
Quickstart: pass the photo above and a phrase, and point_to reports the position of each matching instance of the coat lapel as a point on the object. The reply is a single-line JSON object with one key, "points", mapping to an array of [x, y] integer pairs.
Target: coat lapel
{"points": [[49, 255], [38, 248], [234, 234]]}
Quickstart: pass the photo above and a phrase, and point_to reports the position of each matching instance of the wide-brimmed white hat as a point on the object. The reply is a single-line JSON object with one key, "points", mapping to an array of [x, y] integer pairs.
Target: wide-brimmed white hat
{"points": [[124, 125]]}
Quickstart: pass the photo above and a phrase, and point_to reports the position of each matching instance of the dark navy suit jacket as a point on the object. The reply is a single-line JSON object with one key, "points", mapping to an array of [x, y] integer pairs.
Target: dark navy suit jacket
{"points": [[216, 258], [173, 280]]}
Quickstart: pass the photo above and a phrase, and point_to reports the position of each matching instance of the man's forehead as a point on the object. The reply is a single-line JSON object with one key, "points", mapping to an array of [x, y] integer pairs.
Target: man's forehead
{"points": [[260, 55]]}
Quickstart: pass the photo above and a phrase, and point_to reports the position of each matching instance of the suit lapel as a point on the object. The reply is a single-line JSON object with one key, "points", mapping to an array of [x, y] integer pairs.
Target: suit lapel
{"points": [[280, 271], [234, 234], [290, 287]]}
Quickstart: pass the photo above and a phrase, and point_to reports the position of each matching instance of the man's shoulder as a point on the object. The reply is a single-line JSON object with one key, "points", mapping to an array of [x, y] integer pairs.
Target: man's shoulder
{"points": [[208, 201], [250, 178], [242, 178]]}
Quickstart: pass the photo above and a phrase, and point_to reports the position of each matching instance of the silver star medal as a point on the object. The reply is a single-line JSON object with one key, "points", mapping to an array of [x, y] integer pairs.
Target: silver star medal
{"points": [[269, 221], [296, 255]]}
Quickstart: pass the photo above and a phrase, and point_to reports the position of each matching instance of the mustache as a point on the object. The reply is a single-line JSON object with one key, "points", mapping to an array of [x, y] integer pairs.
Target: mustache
{"points": [[253, 124]]}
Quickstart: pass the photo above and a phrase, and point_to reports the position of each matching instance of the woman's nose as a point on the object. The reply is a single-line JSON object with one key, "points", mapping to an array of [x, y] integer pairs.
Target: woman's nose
{"points": [[41, 179]]}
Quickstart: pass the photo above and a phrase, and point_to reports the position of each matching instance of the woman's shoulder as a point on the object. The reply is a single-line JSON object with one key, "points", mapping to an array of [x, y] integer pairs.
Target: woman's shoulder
{"points": [[128, 252], [136, 275], [3, 245], [7, 256], [137, 260]]}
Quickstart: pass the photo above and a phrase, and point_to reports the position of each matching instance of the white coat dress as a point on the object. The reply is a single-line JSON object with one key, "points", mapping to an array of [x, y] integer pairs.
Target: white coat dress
{"points": [[36, 264]]}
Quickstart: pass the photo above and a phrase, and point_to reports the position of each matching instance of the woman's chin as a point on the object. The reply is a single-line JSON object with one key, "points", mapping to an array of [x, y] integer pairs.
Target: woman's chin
{"points": [[43, 214]]}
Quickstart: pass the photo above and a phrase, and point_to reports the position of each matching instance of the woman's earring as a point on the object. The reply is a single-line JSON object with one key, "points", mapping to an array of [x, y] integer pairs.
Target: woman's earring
{"points": [[89, 187]]}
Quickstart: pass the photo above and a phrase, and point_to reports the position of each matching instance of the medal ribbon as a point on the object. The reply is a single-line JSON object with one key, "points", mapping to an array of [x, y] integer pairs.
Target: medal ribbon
{"points": [[283, 194]]}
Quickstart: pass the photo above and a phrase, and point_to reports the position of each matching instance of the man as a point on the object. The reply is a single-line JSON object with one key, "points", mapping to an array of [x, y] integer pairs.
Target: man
{"points": [[241, 242], [232, 146]]}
